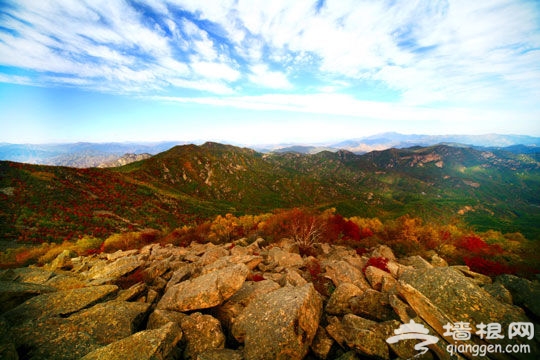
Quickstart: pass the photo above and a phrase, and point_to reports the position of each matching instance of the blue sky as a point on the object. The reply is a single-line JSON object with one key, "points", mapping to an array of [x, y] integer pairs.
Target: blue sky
{"points": [[256, 71]]}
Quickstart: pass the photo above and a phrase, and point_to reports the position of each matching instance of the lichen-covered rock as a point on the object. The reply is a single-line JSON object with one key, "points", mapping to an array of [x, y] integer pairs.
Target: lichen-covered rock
{"points": [[116, 269], [322, 343], [77, 335], [13, 294], [284, 258], [379, 280], [159, 318], [372, 304], [461, 298], [279, 324], [524, 292], [220, 354], [205, 291], [383, 251], [63, 260], [499, 292], [156, 344], [361, 335], [340, 271], [339, 302], [59, 303], [229, 311], [201, 333]]}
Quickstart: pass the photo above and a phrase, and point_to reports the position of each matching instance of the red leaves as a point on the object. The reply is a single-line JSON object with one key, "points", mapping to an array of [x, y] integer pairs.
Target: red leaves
{"points": [[473, 243], [487, 267], [378, 262]]}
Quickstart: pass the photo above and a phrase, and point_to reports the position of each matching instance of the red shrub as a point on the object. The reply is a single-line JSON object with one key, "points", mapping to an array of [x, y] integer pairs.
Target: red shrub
{"points": [[378, 262], [473, 244], [487, 267]]}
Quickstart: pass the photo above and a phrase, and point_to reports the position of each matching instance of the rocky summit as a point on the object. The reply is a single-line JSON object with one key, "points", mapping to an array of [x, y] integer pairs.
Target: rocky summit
{"points": [[243, 300]]}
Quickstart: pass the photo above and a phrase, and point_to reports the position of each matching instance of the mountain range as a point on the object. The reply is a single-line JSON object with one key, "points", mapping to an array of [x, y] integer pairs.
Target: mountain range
{"points": [[485, 189], [85, 154]]}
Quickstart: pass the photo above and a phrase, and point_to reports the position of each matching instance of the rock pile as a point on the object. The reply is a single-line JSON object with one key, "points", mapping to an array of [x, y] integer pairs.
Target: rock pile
{"points": [[245, 301]]}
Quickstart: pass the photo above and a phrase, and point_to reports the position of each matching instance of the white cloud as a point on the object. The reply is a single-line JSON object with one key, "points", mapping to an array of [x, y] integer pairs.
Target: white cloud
{"points": [[428, 52], [261, 75]]}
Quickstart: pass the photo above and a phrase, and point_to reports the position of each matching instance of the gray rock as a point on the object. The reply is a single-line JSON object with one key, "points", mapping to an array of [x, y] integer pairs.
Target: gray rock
{"points": [[339, 302], [461, 298], [279, 324], [284, 258], [372, 304], [378, 279], [499, 292], [63, 261], [322, 343], [116, 269], [201, 333], [32, 275], [524, 292], [205, 291], [229, 311], [81, 333], [383, 251], [220, 354], [340, 271], [156, 344], [362, 336], [13, 294], [59, 303], [159, 318]]}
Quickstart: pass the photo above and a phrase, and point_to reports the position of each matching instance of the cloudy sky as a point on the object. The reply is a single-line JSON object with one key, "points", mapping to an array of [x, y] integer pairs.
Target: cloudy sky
{"points": [[258, 71]]}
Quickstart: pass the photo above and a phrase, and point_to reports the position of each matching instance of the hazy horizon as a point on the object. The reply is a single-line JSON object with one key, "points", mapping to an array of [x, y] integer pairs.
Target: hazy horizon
{"points": [[263, 73]]}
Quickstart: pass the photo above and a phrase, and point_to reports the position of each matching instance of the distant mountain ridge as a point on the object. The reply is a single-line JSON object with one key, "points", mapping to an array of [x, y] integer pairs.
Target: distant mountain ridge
{"points": [[85, 155], [486, 189]]}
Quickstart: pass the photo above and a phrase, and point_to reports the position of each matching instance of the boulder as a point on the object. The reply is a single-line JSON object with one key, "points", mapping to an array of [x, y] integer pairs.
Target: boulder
{"points": [[416, 262], [340, 271], [66, 281], [524, 292], [220, 354], [284, 258], [322, 343], [339, 302], [79, 334], [159, 318], [279, 324], [32, 275], [63, 260], [372, 304], [379, 279], [205, 291], [362, 336], [13, 294], [116, 269], [201, 333], [212, 254], [59, 303], [461, 298], [229, 311], [383, 251], [499, 292], [156, 344]]}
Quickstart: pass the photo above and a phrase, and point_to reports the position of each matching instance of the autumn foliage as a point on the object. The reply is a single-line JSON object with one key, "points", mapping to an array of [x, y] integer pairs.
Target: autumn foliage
{"points": [[489, 253]]}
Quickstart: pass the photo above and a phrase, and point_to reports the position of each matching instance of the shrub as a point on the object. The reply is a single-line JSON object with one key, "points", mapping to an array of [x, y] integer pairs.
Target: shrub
{"points": [[378, 262], [473, 243], [130, 240], [487, 267]]}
